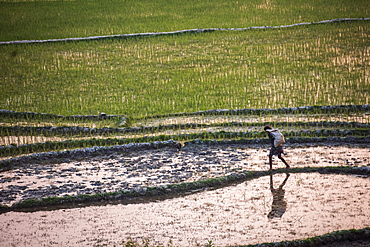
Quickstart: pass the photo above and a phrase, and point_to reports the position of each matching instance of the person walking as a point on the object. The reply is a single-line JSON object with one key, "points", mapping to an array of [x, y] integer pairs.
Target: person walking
{"points": [[277, 140]]}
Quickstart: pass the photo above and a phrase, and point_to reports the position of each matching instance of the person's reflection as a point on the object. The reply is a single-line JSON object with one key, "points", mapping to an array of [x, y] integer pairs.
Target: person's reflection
{"points": [[278, 206]]}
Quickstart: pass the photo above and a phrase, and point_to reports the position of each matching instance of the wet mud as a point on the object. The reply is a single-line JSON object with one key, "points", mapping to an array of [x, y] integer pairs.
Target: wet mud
{"points": [[133, 171], [268, 209]]}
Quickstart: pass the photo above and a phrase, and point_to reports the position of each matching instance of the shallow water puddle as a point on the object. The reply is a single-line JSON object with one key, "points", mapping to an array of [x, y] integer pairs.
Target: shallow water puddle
{"points": [[271, 208]]}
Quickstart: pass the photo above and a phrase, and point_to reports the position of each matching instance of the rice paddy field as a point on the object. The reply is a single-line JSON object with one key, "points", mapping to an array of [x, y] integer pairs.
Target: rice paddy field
{"points": [[80, 18], [235, 68], [314, 65]]}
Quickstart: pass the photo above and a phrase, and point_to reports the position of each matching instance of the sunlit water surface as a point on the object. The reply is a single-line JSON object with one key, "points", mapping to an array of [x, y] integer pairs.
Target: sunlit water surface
{"points": [[271, 208]]}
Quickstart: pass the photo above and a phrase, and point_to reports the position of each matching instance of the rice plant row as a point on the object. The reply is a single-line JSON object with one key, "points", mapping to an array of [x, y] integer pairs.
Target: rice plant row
{"points": [[14, 150], [192, 127], [300, 119], [14, 118]]}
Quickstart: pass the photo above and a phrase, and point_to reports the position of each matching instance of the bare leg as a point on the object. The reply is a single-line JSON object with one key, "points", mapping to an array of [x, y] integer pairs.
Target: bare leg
{"points": [[270, 161], [283, 160]]}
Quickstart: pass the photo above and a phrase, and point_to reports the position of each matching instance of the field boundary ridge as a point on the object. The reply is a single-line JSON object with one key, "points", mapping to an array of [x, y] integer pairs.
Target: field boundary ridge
{"points": [[196, 30]]}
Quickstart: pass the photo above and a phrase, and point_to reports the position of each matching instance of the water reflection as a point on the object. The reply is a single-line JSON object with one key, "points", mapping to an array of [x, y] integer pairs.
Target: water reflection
{"points": [[278, 206], [233, 215]]}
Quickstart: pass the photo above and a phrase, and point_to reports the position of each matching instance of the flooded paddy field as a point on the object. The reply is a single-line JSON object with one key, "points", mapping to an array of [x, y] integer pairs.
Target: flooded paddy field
{"points": [[271, 208], [276, 207], [133, 171]]}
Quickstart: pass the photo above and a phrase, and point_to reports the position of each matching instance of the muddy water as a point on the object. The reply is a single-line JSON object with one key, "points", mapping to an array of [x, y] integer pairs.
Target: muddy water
{"points": [[160, 167], [272, 208]]}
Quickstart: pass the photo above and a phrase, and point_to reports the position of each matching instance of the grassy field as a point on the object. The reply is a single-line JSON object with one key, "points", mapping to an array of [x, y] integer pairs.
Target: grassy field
{"points": [[26, 19]]}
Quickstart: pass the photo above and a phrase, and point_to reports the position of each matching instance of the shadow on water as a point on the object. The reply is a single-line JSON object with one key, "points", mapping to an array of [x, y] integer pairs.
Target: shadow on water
{"points": [[279, 204]]}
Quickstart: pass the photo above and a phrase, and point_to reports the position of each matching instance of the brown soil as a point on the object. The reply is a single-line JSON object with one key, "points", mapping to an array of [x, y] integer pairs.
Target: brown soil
{"points": [[145, 168]]}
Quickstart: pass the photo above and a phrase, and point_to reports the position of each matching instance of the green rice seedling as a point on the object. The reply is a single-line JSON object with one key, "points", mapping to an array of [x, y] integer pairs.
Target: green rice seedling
{"points": [[27, 20], [140, 76], [14, 150]]}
